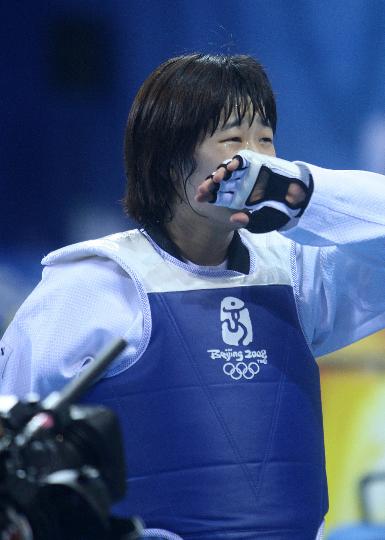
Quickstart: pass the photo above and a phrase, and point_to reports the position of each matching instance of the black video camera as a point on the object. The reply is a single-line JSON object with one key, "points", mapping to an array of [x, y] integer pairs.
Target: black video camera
{"points": [[62, 465]]}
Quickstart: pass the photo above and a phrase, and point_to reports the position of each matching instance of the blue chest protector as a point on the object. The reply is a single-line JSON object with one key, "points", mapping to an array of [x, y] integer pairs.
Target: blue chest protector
{"points": [[222, 417]]}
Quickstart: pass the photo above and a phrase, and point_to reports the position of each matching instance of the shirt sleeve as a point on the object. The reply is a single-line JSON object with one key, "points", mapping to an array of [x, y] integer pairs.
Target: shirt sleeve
{"points": [[77, 309], [339, 257]]}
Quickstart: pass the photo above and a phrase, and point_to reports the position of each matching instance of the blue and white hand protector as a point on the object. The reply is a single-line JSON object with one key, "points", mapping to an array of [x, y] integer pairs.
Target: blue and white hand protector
{"points": [[259, 187]]}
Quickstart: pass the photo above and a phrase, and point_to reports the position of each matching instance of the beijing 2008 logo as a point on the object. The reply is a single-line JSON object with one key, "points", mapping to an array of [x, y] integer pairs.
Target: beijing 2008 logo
{"points": [[239, 363], [236, 323]]}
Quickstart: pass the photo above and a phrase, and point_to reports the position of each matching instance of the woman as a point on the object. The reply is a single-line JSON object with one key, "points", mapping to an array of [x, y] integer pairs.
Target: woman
{"points": [[218, 391]]}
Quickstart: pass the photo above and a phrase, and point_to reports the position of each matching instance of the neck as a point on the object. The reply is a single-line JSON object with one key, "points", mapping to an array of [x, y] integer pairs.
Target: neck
{"points": [[205, 246]]}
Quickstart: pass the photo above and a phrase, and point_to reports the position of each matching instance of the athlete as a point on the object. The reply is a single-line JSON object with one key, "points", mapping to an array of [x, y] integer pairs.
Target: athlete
{"points": [[243, 268]]}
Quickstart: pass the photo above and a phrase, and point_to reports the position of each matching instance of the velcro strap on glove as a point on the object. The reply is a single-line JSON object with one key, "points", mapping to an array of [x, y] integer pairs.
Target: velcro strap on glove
{"points": [[271, 177]]}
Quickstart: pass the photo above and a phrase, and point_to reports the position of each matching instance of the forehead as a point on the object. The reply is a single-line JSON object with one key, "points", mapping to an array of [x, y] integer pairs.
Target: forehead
{"points": [[236, 109], [235, 119]]}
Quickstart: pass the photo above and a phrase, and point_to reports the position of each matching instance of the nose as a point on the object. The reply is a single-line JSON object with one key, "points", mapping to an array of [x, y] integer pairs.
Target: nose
{"points": [[253, 145]]}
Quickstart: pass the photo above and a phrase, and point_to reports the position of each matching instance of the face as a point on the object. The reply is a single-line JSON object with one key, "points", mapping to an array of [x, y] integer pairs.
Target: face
{"points": [[226, 141]]}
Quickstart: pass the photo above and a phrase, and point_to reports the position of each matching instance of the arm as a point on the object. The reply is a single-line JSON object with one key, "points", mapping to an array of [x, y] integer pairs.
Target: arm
{"points": [[340, 258], [75, 310], [347, 208], [338, 268]]}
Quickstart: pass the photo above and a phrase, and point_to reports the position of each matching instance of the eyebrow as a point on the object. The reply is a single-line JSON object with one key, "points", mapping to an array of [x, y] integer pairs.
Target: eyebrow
{"points": [[236, 123]]}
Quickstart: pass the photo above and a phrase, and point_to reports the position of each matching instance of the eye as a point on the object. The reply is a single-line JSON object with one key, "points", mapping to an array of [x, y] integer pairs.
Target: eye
{"points": [[266, 140], [232, 139]]}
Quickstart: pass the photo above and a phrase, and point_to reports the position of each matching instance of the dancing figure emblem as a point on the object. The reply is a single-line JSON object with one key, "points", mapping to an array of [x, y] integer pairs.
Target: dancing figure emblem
{"points": [[236, 323]]}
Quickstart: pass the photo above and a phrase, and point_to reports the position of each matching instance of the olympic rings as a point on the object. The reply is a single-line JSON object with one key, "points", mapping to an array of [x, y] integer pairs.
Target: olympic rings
{"points": [[241, 369]]}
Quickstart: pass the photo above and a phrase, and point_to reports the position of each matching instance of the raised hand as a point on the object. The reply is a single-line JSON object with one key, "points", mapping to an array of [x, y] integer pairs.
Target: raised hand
{"points": [[267, 190]]}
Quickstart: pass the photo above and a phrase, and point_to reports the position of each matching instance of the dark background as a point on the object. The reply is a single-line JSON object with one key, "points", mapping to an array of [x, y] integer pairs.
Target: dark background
{"points": [[70, 69]]}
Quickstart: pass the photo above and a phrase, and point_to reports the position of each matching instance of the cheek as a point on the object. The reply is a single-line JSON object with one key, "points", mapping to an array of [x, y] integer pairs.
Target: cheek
{"points": [[228, 150], [272, 151], [208, 161], [267, 150], [205, 166]]}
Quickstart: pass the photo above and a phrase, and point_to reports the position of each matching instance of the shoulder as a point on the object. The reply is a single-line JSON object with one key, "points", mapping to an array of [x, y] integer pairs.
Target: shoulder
{"points": [[273, 248], [262, 241], [84, 300], [92, 261], [107, 247], [110, 257], [81, 276]]}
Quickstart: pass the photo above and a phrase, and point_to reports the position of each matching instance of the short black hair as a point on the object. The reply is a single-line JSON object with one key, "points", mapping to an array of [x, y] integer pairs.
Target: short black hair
{"points": [[181, 102]]}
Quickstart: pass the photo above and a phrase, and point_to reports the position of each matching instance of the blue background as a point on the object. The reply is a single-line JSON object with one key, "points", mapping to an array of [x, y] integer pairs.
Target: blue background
{"points": [[70, 70]]}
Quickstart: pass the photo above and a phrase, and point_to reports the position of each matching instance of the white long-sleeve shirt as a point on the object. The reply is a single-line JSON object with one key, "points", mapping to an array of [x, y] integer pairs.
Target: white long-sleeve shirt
{"points": [[337, 267]]}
